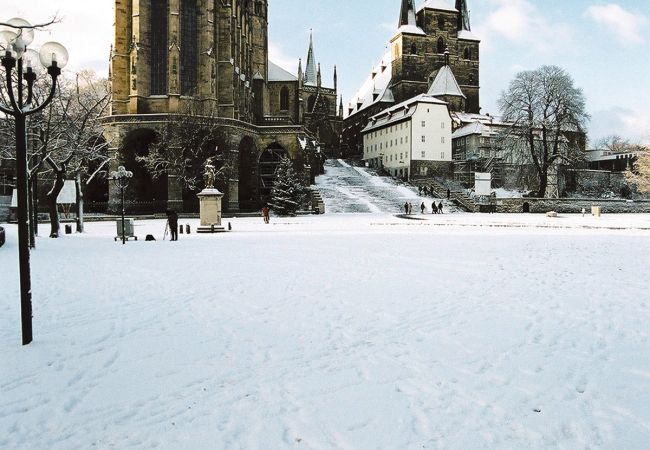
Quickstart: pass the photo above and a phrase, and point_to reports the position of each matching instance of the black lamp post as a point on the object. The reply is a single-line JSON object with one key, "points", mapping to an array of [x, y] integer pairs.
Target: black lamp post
{"points": [[14, 40], [122, 178]]}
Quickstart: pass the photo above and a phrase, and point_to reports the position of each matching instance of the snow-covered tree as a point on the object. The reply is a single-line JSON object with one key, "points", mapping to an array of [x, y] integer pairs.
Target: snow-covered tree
{"points": [[640, 174], [288, 193]]}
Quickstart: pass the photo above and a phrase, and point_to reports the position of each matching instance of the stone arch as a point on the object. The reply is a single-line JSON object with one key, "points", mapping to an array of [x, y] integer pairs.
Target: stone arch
{"points": [[146, 193], [267, 164], [248, 185]]}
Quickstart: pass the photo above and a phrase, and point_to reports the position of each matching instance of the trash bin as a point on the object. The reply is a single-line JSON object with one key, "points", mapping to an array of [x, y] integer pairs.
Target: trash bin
{"points": [[128, 227], [68, 229], [595, 210]]}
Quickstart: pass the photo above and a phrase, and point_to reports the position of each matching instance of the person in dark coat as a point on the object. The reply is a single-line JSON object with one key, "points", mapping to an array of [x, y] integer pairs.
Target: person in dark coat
{"points": [[434, 208], [172, 220], [440, 207], [266, 214], [422, 208], [406, 208], [448, 194]]}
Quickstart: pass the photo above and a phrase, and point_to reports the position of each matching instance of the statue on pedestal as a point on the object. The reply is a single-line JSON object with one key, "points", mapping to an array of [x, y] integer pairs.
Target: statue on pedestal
{"points": [[209, 174]]}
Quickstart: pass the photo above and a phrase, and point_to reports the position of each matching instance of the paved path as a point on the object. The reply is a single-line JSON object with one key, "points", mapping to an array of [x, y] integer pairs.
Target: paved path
{"points": [[347, 189]]}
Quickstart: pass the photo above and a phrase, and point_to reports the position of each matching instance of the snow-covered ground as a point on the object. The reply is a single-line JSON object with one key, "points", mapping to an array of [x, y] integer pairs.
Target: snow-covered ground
{"points": [[353, 331]]}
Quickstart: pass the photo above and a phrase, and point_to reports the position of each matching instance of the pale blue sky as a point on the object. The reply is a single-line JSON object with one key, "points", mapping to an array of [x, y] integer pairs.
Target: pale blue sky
{"points": [[605, 45]]}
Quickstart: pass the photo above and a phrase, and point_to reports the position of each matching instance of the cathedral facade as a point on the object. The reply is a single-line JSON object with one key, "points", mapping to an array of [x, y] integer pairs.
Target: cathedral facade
{"points": [[428, 39], [171, 56]]}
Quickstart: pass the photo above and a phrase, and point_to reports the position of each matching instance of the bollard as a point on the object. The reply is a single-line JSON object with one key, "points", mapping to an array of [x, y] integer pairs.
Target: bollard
{"points": [[212, 228], [229, 227], [187, 228]]}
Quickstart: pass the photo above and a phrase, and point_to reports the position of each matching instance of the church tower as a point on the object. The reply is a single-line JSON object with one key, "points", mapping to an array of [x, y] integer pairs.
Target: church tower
{"points": [[169, 51]]}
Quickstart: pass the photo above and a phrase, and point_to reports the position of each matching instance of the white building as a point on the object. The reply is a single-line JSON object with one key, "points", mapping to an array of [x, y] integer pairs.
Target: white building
{"points": [[412, 138]]}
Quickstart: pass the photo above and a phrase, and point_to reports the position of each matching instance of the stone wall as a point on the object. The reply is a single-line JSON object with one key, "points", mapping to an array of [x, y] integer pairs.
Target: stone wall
{"points": [[5, 201], [570, 205], [444, 169]]}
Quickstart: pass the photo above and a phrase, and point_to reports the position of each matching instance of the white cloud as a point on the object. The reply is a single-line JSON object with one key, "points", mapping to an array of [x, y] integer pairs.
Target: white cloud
{"points": [[626, 26], [521, 22], [633, 124], [277, 55]]}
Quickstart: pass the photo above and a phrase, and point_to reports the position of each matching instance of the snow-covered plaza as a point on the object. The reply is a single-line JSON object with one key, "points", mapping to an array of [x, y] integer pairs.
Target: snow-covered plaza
{"points": [[356, 331]]}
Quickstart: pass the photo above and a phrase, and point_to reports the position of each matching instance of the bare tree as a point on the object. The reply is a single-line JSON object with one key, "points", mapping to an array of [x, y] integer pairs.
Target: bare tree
{"points": [[185, 144], [548, 118]]}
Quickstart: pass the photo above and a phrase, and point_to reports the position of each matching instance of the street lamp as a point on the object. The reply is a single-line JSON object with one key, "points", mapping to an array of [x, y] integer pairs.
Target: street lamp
{"points": [[14, 39], [122, 178]]}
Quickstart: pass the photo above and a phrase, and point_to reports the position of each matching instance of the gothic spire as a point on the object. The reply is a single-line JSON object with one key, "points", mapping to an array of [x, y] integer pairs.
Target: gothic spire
{"points": [[310, 70], [407, 13], [463, 17], [335, 79]]}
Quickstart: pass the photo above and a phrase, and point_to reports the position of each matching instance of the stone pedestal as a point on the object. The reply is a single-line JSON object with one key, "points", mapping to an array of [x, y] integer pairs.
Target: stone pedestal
{"points": [[210, 200]]}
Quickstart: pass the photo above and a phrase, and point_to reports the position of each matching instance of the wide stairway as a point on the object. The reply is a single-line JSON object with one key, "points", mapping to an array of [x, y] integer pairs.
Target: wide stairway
{"points": [[348, 189]]}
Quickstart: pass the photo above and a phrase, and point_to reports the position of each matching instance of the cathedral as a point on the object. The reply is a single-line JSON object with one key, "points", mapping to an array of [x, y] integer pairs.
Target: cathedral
{"points": [[433, 51], [173, 55]]}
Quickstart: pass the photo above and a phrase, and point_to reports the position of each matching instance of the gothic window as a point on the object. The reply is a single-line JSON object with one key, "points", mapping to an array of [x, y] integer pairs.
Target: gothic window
{"points": [[310, 103], [441, 45], [441, 23], [189, 47], [159, 44], [414, 49], [284, 98], [468, 53]]}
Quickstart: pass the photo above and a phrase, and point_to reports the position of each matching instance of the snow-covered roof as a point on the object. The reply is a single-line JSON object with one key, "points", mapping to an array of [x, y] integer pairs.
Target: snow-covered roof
{"points": [[375, 88], [400, 112], [464, 118], [410, 29], [468, 36], [445, 84], [277, 73], [476, 127], [443, 5]]}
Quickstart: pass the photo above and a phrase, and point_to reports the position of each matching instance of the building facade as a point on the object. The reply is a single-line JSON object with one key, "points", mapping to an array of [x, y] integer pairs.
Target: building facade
{"points": [[428, 39], [410, 139], [171, 56]]}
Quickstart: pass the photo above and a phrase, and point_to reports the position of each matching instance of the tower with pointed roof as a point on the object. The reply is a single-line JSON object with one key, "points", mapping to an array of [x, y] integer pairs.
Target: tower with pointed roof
{"points": [[416, 59]]}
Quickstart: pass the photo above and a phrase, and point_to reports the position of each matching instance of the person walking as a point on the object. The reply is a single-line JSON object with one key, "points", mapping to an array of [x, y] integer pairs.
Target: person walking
{"points": [[406, 207], [172, 220], [266, 214], [434, 208], [440, 207], [410, 208], [448, 194], [422, 208]]}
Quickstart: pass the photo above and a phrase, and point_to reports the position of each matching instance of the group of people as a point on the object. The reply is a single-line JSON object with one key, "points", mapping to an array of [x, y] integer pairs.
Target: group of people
{"points": [[435, 209]]}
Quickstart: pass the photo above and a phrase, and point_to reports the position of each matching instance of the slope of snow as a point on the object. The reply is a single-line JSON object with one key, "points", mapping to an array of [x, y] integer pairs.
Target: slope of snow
{"points": [[348, 189], [342, 331]]}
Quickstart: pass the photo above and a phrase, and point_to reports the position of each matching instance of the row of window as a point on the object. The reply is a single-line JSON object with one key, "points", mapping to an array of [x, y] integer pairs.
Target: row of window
{"points": [[443, 140], [389, 144], [424, 124]]}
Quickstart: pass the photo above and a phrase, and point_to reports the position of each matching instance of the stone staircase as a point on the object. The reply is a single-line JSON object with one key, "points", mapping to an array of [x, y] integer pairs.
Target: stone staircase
{"points": [[458, 196]]}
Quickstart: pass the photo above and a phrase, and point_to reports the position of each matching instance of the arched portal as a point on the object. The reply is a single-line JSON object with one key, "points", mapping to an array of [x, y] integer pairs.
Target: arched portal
{"points": [[147, 194], [268, 163], [248, 184]]}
